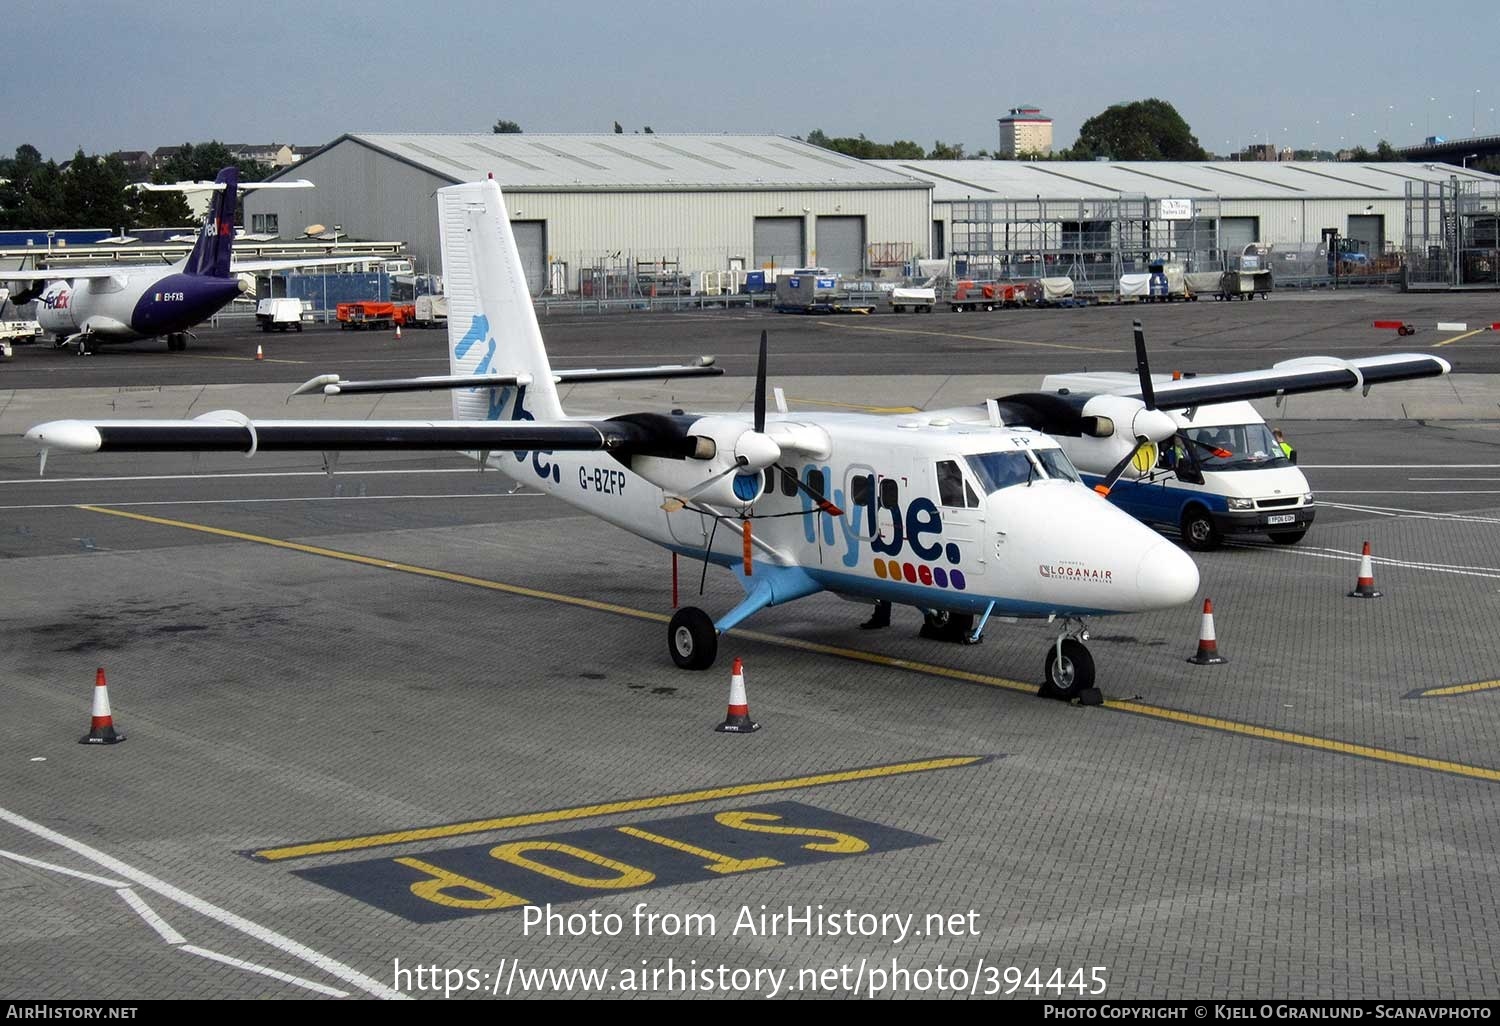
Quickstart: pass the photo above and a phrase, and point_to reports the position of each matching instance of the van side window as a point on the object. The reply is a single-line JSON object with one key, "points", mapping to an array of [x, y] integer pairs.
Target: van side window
{"points": [[950, 482]]}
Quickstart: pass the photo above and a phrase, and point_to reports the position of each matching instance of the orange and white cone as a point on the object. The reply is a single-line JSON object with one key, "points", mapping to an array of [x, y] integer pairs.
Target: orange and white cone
{"points": [[1365, 586], [738, 721], [1208, 644], [259, 353], [101, 724], [398, 331]]}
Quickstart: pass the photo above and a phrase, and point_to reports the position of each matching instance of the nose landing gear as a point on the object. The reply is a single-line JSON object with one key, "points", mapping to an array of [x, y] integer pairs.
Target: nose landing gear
{"points": [[1069, 670]]}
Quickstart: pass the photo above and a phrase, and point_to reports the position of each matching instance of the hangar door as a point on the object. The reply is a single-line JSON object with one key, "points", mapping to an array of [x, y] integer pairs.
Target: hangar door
{"points": [[1369, 231], [531, 240], [1235, 233], [778, 242], [841, 244]]}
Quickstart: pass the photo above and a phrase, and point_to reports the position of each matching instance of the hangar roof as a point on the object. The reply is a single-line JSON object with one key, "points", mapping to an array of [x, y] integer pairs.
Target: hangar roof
{"points": [[633, 162], [957, 180]]}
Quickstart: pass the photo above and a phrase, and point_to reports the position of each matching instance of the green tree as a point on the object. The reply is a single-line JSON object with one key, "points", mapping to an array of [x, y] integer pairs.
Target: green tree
{"points": [[1140, 130], [867, 149], [31, 194], [1385, 153], [618, 129], [203, 162], [93, 192], [943, 151], [647, 130], [503, 127]]}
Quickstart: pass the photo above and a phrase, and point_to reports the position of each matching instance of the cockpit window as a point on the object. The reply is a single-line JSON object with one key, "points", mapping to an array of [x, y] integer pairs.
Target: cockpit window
{"points": [[997, 470], [1057, 463], [1250, 447], [950, 481]]}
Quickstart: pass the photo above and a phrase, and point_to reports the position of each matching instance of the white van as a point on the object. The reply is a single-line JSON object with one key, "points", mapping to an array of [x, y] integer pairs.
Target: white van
{"points": [[1222, 473]]}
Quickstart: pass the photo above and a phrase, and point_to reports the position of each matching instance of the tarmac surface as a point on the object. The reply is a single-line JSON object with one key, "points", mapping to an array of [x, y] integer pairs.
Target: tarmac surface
{"points": [[374, 714]]}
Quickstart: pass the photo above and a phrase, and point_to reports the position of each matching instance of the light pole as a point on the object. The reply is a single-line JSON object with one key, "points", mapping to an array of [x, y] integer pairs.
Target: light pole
{"points": [[49, 248], [1469, 157], [1388, 109], [1430, 101]]}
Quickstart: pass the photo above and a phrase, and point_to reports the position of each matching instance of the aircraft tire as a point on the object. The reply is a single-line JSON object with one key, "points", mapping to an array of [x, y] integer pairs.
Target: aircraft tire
{"points": [[1069, 678], [942, 625], [692, 639]]}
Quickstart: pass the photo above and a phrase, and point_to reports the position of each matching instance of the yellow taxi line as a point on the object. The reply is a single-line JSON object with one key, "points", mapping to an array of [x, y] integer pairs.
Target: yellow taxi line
{"points": [[1458, 689], [927, 669], [1460, 338], [854, 406], [659, 801]]}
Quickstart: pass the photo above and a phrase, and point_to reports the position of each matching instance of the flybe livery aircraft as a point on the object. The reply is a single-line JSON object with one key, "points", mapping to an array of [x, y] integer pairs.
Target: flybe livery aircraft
{"points": [[965, 515], [85, 307]]}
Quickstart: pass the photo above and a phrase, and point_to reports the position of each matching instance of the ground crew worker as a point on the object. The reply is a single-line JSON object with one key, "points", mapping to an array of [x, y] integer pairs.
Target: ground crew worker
{"points": [[880, 618], [1286, 447]]}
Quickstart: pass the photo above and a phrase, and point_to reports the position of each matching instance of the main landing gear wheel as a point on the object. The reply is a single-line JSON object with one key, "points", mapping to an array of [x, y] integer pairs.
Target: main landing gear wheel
{"points": [[1069, 676], [692, 639], [82, 347], [1199, 532], [176, 342], [942, 625]]}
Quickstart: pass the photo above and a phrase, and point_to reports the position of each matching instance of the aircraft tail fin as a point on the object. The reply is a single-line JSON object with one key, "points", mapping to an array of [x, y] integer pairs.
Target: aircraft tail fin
{"points": [[212, 253], [492, 326]]}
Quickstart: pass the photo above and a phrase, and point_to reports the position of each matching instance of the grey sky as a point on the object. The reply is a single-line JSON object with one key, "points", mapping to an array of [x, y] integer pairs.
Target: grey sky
{"points": [[107, 75]]}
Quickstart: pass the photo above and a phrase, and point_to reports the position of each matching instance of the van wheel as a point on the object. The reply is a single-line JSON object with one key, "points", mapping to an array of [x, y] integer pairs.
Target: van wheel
{"points": [[1289, 537], [1198, 530]]}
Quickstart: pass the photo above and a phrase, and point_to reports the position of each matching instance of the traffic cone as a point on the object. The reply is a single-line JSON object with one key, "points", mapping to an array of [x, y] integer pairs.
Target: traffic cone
{"points": [[259, 355], [738, 721], [1365, 586], [1208, 647], [398, 331], [102, 725]]}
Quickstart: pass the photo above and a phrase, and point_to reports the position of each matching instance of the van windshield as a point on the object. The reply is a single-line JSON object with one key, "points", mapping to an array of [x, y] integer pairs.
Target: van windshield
{"points": [[1250, 447]]}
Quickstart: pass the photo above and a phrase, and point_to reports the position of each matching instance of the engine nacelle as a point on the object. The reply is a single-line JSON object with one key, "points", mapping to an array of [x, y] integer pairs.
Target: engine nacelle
{"points": [[725, 469]]}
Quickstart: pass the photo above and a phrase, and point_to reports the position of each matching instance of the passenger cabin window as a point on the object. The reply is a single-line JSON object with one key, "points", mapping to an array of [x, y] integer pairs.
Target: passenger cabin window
{"points": [[815, 481], [997, 470], [788, 482], [859, 489], [890, 493]]}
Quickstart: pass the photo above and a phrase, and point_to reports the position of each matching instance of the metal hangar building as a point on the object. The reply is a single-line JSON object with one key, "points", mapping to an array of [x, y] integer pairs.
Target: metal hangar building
{"points": [[581, 202]]}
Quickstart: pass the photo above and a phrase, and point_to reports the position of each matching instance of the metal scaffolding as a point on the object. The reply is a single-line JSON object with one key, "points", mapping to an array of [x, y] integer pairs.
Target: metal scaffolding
{"points": [[1092, 241], [1452, 234]]}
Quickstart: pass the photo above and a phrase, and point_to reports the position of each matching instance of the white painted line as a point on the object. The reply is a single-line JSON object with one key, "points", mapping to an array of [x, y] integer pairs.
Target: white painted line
{"points": [[247, 474], [1352, 557], [290, 498], [1412, 514], [146, 912], [1399, 466], [274, 974], [1452, 326], [1470, 479], [1368, 491], [235, 922], [39, 864]]}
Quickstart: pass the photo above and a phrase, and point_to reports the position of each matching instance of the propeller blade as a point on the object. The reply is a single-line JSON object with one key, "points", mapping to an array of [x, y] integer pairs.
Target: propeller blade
{"points": [[1103, 487], [749, 544], [760, 386], [818, 498], [1143, 368]]}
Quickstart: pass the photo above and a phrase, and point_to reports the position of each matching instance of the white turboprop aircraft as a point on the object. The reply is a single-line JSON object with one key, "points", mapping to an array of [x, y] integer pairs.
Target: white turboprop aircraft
{"points": [[85, 307], [959, 514]]}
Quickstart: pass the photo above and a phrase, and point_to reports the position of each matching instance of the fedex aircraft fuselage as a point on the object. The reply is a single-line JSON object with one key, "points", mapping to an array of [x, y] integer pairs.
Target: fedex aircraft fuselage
{"points": [[131, 304]]}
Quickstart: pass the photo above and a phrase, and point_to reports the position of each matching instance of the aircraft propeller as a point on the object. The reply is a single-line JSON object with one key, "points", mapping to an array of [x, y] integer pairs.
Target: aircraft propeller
{"points": [[1148, 397]]}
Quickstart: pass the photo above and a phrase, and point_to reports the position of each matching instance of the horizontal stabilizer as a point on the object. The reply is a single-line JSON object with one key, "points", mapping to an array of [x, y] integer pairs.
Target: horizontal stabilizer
{"points": [[332, 384], [300, 183]]}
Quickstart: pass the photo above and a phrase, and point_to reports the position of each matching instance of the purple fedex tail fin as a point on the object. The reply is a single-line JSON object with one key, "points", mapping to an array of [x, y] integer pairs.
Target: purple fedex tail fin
{"points": [[210, 257]]}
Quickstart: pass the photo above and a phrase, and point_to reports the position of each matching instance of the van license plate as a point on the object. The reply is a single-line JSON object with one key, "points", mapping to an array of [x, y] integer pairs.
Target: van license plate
{"points": [[1282, 518]]}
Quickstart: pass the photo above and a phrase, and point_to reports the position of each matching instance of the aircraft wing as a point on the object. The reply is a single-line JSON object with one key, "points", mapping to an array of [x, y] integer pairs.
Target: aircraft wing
{"points": [[332, 384], [239, 266], [228, 431], [72, 273], [1291, 377]]}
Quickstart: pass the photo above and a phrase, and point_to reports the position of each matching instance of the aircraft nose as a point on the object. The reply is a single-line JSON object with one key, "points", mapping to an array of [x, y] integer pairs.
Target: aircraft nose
{"points": [[1166, 576]]}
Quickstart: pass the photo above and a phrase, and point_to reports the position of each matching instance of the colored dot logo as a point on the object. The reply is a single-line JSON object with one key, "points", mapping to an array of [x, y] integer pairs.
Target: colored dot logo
{"points": [[895, 570]]}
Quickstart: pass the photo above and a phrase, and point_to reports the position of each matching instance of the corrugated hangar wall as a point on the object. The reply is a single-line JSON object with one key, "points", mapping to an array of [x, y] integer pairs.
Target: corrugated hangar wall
{"points": [[375, 196], [368, 194]]}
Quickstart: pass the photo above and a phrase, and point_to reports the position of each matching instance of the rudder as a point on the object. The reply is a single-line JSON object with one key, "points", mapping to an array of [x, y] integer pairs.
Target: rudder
{"points": [[213, 251], [492, 325]]}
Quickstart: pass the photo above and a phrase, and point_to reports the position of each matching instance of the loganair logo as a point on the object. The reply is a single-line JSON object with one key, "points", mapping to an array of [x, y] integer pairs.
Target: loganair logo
{"points": [[914, 529], [1071, 571], [504, 398]]}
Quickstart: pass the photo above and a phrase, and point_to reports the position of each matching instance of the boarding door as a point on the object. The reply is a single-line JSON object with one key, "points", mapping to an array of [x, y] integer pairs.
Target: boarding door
{"points": [[962, 509]]}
